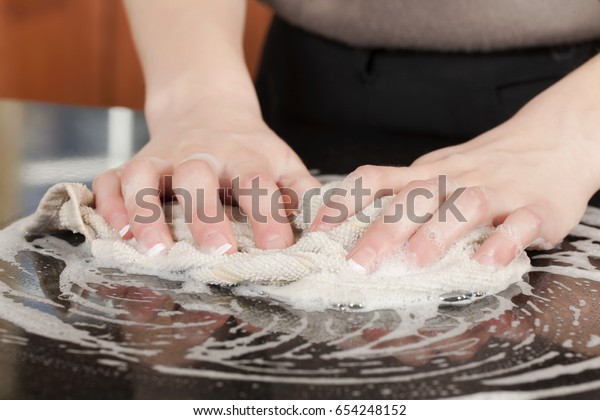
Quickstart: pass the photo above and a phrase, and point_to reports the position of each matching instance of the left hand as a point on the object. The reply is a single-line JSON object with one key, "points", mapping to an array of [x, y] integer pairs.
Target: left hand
{"points": [[530, 177]]}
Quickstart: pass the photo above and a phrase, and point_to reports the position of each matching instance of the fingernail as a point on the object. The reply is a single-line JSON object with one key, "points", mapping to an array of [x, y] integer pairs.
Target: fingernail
{"points": [[155, 250], [363, 258], [216, 244], [118, 219], [356, 267], [124, 231], [222, 250], [149, 240], [275, 242], [487, 260], [412, 259]]}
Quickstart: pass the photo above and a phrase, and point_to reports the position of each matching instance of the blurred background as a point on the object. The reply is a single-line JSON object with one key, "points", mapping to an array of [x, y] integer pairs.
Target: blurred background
{"points": [[68, 74], [80, 51]]}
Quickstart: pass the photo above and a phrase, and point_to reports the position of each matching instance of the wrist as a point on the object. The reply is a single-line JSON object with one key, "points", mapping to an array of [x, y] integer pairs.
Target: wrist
{"points": [[213, 103], [566, 117]]}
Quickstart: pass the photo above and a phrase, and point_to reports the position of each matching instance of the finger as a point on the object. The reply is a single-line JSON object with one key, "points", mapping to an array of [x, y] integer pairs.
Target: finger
{"points": [[412, 207], [297, 177], [436, 155], [464, 210], [357, 191], [196, 187], [260, 200], [140, 183], [109, 202], [520, 229], [297, 184]]}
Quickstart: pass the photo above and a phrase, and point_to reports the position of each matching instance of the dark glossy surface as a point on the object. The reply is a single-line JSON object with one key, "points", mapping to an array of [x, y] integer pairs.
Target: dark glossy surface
{"points": [[109, 335]]}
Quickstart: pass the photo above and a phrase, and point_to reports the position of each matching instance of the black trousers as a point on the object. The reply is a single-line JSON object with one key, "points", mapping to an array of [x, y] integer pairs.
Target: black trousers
{"points": [[340, 107]]}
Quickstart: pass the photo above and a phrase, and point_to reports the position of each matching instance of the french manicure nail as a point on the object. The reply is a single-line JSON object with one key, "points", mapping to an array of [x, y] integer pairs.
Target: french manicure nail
{"points": [[124, 231], [155, 250], [216, 244], [356, 267], [363, 258], [222, 250]]}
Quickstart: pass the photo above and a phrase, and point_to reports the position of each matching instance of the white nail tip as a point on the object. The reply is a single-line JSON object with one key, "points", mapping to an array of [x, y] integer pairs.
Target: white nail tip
{"points": [[222, 249], [155, 250], [124, 231], [356, 267]]}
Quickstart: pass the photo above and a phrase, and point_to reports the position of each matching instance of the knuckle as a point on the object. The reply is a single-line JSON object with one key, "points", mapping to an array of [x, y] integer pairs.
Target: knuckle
{"points": [[450, 183], [369, 172], [476, 198], [250, 179], [104, 178], [136, 166], [422, 159], [456, 160], [422, 185], [532, 216], [98, 181], [191, 169]]}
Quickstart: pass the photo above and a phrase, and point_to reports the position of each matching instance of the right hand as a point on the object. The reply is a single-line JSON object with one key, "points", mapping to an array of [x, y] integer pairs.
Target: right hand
{"points": [[204, 151]]}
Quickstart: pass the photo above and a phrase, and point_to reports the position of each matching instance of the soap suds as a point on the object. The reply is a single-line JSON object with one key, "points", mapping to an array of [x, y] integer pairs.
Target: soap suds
{"points": [[593, 341], [487, 349], [312, 274]]}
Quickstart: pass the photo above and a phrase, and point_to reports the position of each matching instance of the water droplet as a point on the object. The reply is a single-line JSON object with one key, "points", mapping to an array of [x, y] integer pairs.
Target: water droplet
{"points": [[349, 300], [460, 298]]}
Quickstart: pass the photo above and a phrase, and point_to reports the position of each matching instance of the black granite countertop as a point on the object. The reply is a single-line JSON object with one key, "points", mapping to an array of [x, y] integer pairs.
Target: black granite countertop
{"points": [[124, 336]]}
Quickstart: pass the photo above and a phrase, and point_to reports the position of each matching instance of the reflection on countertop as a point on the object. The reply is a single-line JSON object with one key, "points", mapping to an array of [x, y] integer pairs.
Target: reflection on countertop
{"points": [[67, 332]]}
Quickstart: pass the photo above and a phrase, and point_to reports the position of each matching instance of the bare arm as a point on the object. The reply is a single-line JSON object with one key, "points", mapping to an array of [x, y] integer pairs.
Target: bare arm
{"points": [[192, 55], [206, 131], [531, 177]]}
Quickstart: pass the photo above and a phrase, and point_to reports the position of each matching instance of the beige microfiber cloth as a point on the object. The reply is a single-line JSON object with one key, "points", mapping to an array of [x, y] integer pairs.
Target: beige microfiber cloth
{"points": [[321, 254]]}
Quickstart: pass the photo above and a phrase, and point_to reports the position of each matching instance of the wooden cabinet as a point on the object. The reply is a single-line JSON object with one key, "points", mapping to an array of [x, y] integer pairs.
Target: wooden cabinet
{"points": [[81, 52]]}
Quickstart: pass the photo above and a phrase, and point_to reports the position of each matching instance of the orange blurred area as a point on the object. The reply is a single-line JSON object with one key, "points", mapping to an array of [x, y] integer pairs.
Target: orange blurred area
{"points": [[81, 52]]}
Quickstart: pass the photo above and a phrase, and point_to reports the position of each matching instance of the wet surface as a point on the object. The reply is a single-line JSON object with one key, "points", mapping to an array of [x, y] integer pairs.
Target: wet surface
{"points": [[101, 333], [78, 331]]}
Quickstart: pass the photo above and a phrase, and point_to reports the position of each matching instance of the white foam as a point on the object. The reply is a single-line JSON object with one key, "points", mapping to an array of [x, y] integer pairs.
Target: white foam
{"points": [[275, 330], [593, 341], [396, 284]]}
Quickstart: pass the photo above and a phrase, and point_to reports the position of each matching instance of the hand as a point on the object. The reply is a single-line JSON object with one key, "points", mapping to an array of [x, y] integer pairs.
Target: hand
{"points": [[204, 150], [530, 177]]}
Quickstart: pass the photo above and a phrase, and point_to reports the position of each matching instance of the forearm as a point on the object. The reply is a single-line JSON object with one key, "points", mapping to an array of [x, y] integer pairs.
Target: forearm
{"points": [[192, 55], [573, 104], [565, 118]]}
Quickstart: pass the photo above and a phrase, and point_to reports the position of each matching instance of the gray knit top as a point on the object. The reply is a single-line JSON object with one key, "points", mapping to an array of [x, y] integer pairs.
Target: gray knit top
{"points": [[446, 25]]}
